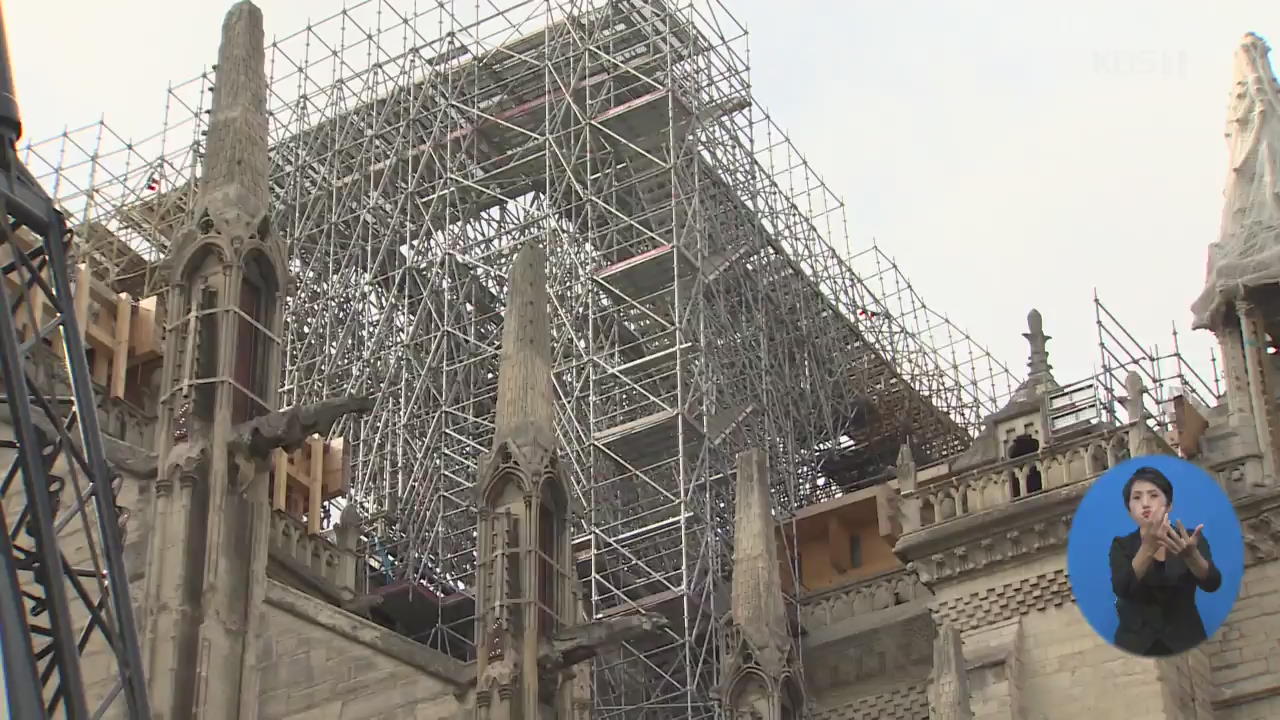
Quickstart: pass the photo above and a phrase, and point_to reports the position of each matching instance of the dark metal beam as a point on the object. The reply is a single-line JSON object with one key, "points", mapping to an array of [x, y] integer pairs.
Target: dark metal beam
{"points": [[39, 585]]}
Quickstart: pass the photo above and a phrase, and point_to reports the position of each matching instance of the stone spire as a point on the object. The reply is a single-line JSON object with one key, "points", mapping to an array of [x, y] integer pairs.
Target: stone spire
{"points": [[757, 674], [757, 580], [526, 593], [207, 555], [1243, 273], [1039, 371], [526, 403], [1247, 252], [236, 160]]}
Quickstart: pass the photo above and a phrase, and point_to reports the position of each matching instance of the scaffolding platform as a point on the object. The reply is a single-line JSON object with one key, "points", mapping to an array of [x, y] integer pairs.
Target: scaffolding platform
{"points": [[658, 435], [649, 273], [418, 613], [622, 137]]}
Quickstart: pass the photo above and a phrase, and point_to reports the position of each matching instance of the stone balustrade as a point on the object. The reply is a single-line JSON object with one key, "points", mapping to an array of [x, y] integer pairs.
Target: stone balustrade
{"points": [[1066, 463], [313, 555], [128, 423], [862, 597]]}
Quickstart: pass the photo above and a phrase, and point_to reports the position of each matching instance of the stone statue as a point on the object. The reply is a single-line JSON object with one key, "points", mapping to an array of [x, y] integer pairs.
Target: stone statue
{"points": [[1247, 253]]}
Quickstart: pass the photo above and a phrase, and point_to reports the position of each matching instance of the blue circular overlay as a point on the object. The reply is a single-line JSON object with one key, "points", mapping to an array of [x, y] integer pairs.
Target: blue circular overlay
{"points": [[1103, 516]]}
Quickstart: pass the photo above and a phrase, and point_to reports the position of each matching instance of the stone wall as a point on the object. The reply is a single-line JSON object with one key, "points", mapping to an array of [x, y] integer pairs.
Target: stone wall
{"points": [[317, 661], [905, 702], [98, 663], [1244, 656], [1068, 671], [993, 666]]}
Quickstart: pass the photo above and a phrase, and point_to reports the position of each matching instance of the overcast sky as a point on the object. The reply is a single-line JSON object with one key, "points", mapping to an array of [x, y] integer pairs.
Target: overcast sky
{"points": [[1007, 154]]}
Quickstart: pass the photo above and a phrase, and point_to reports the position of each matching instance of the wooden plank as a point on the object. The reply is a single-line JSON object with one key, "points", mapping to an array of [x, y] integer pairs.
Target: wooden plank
{"points": [[83, 286], [120, 349], [144, 331], [315, 489], [281, 480]]}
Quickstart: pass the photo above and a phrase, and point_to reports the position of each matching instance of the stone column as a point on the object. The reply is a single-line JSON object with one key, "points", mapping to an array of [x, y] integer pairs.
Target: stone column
{"points": [[1236, 376], [949, 683], [758, 637], [1258, 371], [908, 503]]}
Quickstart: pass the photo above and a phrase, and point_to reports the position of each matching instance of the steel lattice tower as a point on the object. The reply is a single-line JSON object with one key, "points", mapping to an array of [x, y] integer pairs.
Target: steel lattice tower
{"points": [[63, 587], [703, 298]]}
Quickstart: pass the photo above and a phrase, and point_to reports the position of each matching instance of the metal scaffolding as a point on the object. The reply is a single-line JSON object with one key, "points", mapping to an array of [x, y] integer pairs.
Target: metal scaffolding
{"points": [[1165, 375], [63, 587], [703, 295]]}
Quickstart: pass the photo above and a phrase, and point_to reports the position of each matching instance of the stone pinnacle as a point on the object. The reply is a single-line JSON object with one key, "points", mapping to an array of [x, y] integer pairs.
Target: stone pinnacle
{"points": [[526, 403], [756, 600], [236, 158]]}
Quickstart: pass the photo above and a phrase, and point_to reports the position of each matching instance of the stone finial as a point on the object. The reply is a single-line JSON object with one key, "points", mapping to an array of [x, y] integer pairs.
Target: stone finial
{"points": [[1141, 440], [233, 187], [1035, 322], [350, 524], [949, 685], [1038, 360], [908, 506], [1134, 390], [1039, 371], [1247, 251], [905, 459], [526, 403], [756, 601]]}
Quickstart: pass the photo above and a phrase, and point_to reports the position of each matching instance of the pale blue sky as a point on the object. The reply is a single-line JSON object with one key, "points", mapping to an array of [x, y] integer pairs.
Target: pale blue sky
{"points": [[1057, 147]]}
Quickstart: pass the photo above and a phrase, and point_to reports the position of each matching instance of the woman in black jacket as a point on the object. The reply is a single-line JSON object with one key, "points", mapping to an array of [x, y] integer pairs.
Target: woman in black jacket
{"points": [[1155, 571]]}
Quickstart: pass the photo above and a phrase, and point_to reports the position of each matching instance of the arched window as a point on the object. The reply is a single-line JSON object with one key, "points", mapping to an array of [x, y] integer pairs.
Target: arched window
{"points": [[1024, 445], [548, 568], [251, 366], [205, 354]]}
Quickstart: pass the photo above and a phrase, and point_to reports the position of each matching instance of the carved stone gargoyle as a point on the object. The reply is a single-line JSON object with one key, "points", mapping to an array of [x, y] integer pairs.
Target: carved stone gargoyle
{"points": [[252, 441], [289, 428], [580, 643]]}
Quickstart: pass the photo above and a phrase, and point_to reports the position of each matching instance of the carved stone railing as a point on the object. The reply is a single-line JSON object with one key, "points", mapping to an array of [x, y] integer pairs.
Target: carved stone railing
{"points": [[862, 597], [312, 555], [128, 424], [1001, 484], [1239, 476]]}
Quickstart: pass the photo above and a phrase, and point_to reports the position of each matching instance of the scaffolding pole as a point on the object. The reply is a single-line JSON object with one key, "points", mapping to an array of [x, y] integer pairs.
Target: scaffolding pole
{"points": [[56, 602], [703, 293]]}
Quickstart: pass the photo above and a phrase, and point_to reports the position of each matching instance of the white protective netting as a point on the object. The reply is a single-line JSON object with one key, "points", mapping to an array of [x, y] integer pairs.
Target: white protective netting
{"points": [[1247, 253]]}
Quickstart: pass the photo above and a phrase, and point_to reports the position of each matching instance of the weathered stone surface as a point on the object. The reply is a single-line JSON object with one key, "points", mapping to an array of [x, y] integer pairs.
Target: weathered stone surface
{"points": [[949, 683], [1244, 655], [233, 187], [905, 702], [288, 429], [1247, 252], [757, 600], [316, 661], [526, 401], [121, 456], [579, 643]]}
